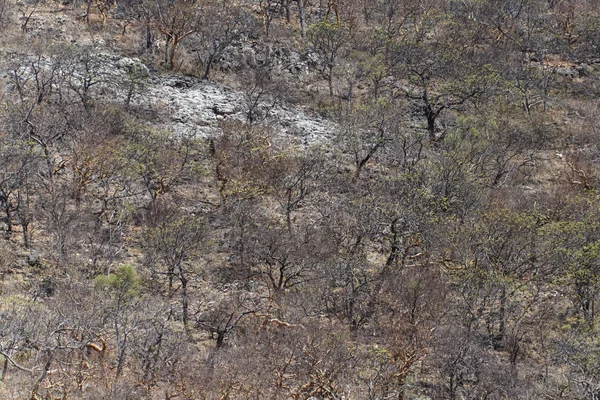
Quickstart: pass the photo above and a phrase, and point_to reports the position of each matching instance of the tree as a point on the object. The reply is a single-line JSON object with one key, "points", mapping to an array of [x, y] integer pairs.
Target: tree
{"points": [[570, 244], [582, 276], [287, 259], [176, 19], [172, 248], [133, 83], [51, 346], [158, 160], [578, 350], [84, 71], [496, 147], [365, 131], [302, 4], [445, 82], [262, 94], [326, 40], [405, 322], [502, 262], [291, 179], [222, 318], [221, 24], [269, 9], [19, 163], [238, 156], [123, 287], [4, 13], [576, 23]]}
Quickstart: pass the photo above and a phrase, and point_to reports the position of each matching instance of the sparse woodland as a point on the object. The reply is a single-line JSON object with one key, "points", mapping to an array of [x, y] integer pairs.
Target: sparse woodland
{"points": [[440, 239]]}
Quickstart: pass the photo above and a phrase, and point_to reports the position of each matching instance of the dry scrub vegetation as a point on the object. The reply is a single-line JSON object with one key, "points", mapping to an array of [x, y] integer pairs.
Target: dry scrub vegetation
{"points": [[435, 236]]}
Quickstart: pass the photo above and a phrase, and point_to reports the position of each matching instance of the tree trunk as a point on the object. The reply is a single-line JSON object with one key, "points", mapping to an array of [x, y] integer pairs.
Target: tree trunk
{"points": [[301, 17], [267, 26], [330, 80], [43, 375], [8, 219], [207, 67], [288, 220], [360, 164], [502, 316], [393, 256], [148, 37], [120, 363], [4, 369], [172, 52], [87, 12], [431, 117], [184, 301], [366, 12], [170, 275], [167, 45], [286, 7], [220, 339], [25, 229]]}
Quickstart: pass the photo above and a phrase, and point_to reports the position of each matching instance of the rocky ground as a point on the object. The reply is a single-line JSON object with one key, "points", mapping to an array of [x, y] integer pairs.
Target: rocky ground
{"points": [[197, 106]]}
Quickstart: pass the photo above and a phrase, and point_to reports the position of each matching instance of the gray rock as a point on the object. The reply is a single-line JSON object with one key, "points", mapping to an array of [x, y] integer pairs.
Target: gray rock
{"points": [[250, 56], [191, 106], [33, 259], [224, 109], [567, 72], [584, 69], [133, 65]]}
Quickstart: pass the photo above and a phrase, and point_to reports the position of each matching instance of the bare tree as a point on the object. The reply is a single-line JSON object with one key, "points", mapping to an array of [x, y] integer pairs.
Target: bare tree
{"points": [[221, 25], [326, 40], [176, 20], [172, 246]]}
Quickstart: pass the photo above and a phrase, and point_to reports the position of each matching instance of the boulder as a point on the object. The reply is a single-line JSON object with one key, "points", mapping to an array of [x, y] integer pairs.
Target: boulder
{"points": [[567, 72]]}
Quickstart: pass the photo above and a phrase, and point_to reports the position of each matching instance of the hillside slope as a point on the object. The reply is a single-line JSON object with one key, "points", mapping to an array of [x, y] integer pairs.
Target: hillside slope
{"points": [[295, 199]]}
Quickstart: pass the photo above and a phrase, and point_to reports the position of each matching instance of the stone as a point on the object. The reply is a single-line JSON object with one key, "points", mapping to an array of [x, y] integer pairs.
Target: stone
{"points": [[585, 69], [133, 65], [33, 259], [567, 72], [186, 105]]}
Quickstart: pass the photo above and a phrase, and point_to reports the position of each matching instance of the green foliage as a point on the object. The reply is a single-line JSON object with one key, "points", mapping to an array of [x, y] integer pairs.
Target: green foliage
{"points": [[326, 33], [326, 40], [124, 282]]}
